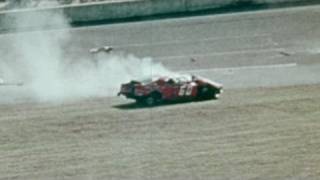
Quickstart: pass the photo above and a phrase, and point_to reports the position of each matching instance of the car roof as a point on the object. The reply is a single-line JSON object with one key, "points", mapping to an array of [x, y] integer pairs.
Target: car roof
{"points": [[177, 78]]}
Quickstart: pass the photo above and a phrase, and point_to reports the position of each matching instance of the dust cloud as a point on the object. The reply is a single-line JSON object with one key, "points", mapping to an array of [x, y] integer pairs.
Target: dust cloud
{"points": [[40, 64]]}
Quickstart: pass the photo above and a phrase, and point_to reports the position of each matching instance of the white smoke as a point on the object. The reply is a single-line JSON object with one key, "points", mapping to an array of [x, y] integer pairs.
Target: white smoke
{"points": [[40, 63], [59, 81]]}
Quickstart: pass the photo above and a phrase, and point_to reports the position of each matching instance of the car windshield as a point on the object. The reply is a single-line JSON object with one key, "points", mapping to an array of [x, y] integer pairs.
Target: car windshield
{"points": [[176, 79]]}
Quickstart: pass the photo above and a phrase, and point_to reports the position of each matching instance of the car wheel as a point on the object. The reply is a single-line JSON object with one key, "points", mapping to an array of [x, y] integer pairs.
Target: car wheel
{"points": [[152, 99], [206, 92]]}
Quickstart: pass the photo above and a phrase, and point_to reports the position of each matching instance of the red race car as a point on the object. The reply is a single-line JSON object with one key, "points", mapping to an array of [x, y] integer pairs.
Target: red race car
{"points": [[185, 87]]}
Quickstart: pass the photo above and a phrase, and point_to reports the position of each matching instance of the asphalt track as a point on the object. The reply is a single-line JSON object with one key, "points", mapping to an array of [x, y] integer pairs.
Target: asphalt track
{"points": [[225, 41], [264, 127], [224, 46]]}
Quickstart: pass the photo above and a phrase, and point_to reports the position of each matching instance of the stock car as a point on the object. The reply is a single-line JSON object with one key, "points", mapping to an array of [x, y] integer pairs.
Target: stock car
{"points": [[155, 90]]}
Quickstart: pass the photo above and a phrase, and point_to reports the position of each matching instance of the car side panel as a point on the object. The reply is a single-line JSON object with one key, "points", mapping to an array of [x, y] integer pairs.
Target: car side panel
{"points": [[187, 90], [169, 92]]}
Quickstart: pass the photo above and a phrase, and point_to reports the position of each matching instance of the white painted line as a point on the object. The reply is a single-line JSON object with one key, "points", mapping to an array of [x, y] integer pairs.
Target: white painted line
{"points": [[271, 66], [174, 42], [251, 51], [192, 41]]}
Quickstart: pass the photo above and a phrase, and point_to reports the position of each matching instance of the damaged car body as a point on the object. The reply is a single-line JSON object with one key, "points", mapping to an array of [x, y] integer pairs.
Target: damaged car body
{"points": [[155, 90]]}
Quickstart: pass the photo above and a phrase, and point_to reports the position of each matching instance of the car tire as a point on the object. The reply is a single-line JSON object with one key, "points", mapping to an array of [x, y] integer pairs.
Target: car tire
{"points": [[153, 99], [206, 93], [150, 101]]}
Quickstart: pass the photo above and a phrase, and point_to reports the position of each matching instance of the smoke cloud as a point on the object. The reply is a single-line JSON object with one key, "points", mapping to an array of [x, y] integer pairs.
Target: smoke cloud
{"points": [[48, 75]]}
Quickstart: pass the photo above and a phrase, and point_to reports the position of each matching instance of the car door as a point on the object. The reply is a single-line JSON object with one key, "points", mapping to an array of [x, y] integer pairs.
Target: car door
{"points": [[187, 90], [169, 90]]}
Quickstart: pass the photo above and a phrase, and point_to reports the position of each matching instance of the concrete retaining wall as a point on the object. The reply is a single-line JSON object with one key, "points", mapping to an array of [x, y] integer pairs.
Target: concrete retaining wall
{"points": [[126, 9], [119, 10]]}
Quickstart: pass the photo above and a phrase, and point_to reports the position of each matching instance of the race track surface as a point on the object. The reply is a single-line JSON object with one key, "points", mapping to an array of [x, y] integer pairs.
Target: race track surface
{"points": [[265, 126]]}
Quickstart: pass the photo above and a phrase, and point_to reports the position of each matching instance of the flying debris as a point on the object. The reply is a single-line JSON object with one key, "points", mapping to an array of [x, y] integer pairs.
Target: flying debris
{"points": [[284, 53], [106, 49]]}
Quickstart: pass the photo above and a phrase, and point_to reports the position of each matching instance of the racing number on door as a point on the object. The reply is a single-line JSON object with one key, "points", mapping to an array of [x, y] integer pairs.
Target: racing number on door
{"points": [[185, 90]]}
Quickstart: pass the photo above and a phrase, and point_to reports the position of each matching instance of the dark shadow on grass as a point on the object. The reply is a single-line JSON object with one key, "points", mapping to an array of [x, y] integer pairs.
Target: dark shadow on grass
{"points": [[134, 105]]}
